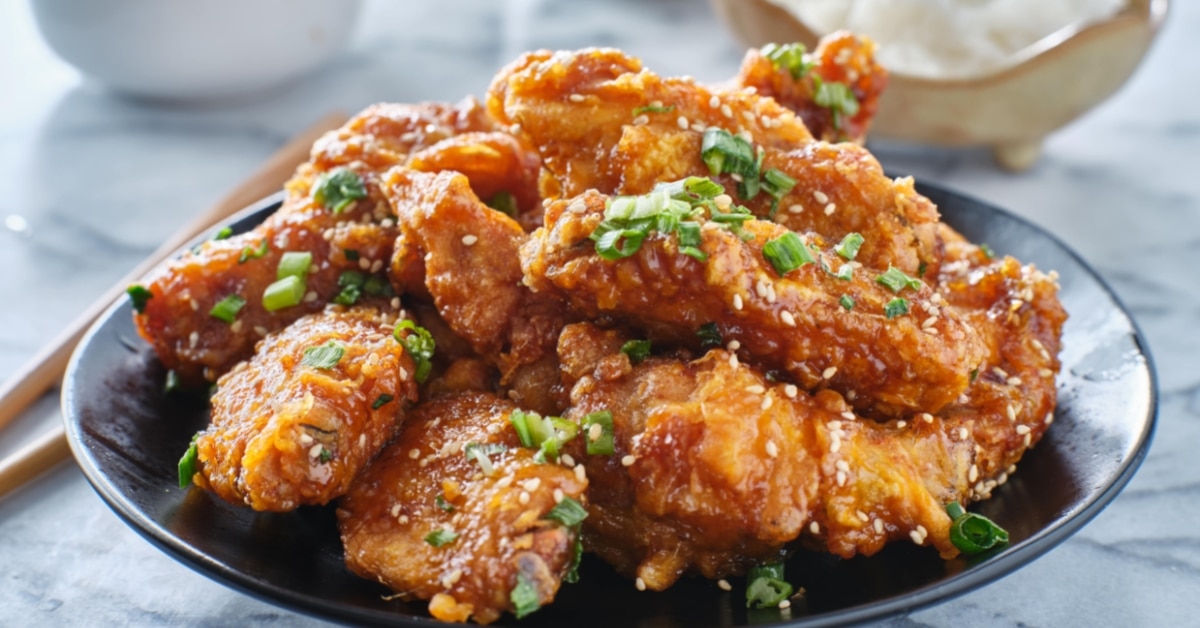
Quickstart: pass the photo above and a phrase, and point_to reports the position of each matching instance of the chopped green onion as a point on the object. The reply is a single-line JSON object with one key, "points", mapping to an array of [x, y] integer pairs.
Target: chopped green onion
{"points": [[351, 282], [786, 253], [692, 189], [380, 401], [294, 264], [138, 295], [987, 250], [338, 188], [351, 254], [503, 202], [848, 247], [837, 98], [726, 153], [520, 422], [637, 350], [524, 596], [766, 587], [896, 280], [921, 268], [251, 253], [440, 537], [187, 464], [325, 356], [568, 512], [653, 108], [788, 57], [326, 455], [440, 502], [615, 244], [284, 293], [553, 434], [419, 344], [777, 183], [172, 382], [602, 444], [972, 533], [481, 453], [895, 307], [376, 285], [689, 241], [974, 374], [226, 309], [223, 233], [576, 557], [710, 336], [847, 302], [845, 273]]}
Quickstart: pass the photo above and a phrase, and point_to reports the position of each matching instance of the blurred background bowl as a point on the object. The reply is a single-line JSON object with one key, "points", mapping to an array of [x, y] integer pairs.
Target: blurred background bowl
{"points": [[1047, 85], [195, 50]]}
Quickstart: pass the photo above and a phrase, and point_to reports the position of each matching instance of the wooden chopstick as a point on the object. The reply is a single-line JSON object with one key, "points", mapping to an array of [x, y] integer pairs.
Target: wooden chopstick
{"points": [[46, 368]]}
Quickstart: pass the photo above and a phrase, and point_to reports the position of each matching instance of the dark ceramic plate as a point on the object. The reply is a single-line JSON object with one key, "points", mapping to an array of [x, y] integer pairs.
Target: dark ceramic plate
{"points": [[128, 436]]}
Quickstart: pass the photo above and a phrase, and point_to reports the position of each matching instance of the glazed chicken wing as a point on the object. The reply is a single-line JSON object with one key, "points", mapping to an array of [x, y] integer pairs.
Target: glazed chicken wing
{"points": [[821, 328], [602, 122], [432, 523], [297, 422]]}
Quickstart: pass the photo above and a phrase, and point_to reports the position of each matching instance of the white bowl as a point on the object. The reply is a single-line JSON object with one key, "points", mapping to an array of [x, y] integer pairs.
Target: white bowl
{"points": [[195, 49]]}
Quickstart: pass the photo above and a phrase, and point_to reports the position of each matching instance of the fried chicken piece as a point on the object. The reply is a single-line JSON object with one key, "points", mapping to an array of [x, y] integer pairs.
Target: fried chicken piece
{"points": [[430, 136], [498, 519], [583, 112], [288, 429], [465, 256], [716, 468], [796, 323], [840, 57]]}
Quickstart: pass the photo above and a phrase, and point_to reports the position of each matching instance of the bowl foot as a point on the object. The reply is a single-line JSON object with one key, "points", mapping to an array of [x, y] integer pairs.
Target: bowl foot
{"points": [[1017, 156]]}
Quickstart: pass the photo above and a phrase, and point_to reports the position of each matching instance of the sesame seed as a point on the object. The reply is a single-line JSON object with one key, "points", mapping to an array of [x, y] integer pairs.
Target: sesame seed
{"points": [[755, 389], [814, 527], [1028, 439], [767, 402], [848, 415], [531, 484], [714, 102], [414, 453], [901, 424], [558, 495], [193, 339], [1023, 429], [523, 497], [395, 511], [395, 303], [505, 481], [315, 450], [795, 209], [567, 460], [576, 97], [581, 473], [305, 439], [260, 330], [470, 239], [830, 208], [639, 584], [733, 345], [195, 306], [922, 531], [403, 373], [1001, 373], [733, 360], [376, 265], [842, 465], [723, 584], [595, 432], [973, 473], [726, 111], [737, 301], [236, 327], [1014, 381], [1045, 372], [699, 127], [1049, 418], [451, 578], [835, 425], [682, 121], [841, 478], [878, 526], [1011, 411], [785, 604], [829, 372], [311, 296], [640, 120], [408, 137], [926, 417], [851, 395], [628, 460], [962, 433], [403, 519], [736, 177], [862, 516], [723, 201], [929, 321], [772, 449], [364, 263], [787, 318], [790, 390], [820, 197]]}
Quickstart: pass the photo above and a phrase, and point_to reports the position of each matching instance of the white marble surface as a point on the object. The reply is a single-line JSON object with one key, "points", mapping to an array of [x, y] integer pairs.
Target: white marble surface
{"points": [[91, 183]]}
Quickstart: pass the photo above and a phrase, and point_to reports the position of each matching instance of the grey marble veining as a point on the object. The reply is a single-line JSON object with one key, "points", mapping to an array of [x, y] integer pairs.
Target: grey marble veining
{"points": [[98, 181]]}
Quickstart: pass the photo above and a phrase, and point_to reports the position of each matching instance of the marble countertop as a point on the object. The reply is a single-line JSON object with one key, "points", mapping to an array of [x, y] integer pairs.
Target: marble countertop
{"points": [[92, 183]]}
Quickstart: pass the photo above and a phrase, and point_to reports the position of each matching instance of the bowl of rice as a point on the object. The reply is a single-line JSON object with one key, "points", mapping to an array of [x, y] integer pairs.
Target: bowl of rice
{"points": [[997, 73]]}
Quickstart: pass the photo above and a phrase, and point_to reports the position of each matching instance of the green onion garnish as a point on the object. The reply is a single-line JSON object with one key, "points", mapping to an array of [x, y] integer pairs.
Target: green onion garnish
{"points": [[689, 241], [520, 422], [223, 233], [284, 293], [710, 336], [252, 253], [376, 285], [138, 295], [766, 587], [846, 302], [504, 202], [548, 434], [351, 283], [786, 253], [726, 153], [440, 537], [568, 512], [380, 401], [653, 108], [481, 453], [972, 533], [637, 350], [338, 188], [845, 273], [294, 264], [837, 98], [777, 183], [896, 280], [848, 247], [351, 254], [974, 374], [172, 382], [602, 444], [440, 502], [576, 556], [895, 307], [187, 464], [921, 268], [419, 344], [524, 596], [325, 456], [987, 250], [325, 356], [226, 309], [788, 57]]}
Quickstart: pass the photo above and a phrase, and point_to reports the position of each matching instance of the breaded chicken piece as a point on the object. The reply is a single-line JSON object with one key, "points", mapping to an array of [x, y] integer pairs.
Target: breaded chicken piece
{"points": [[840, 57], [583, 111], [918, 361], [465, 256], [297, 422], [497, 522], [357, 237], [716, 468]]}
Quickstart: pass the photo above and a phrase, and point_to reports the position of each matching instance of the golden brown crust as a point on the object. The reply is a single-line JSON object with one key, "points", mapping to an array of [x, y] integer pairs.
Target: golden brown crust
{"points": [[284, 434], [499, 519]]}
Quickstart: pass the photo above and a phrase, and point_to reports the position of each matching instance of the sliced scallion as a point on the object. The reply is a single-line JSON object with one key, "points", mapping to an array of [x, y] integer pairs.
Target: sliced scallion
{"points": [[325, 356], [653, 108], [524, 596], [226, 309], [294, 264], [441, 537], [419, 344], [188, 463], [710, 336], [222, 233], [249, 253], [380, 401], [896, 280], [895, 307], [338, 188], [788, 57], [846, 302], [973, 533], [637, 350], [504, 202], [603, 443], [568, 512], [766, 587], [848, 247], [284, 293], [442, 504], [138, 295], [787, 253]]}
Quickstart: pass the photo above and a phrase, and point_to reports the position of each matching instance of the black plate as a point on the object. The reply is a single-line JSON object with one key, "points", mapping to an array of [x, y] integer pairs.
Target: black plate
{"points": [[128, 438]]}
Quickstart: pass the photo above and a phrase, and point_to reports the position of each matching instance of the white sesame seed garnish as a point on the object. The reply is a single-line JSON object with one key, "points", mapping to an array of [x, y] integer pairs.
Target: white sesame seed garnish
{"points": [[790, 390], [929, 321], [916, 538], [639, 584], [640, 120], [311, 296], [1045, 372], [814, 527], [193, 339], [901, 424], [848, 415], [835, 425], [236, 327], [376, 265], [1023, 429], [829, 372], [403, 373], [576, 97], [842, 465], [726, 111], [1014, 381], [767, 402], [1028, 439], [962, 433], [723, 201], [567, 460], [922, 531], [523, 497], [973, 473], [830, 208], [451, 578], [315, 450], [755, 389], [531, 484], [580, 473], [841, 478], [699, 127], [1001, 373], [628, 460], [714, 102], [1011, 411], [558, 495], [772, 449], [505, 481], [1049, 418], [851, 395], [926, 417], [305, 439], [723, 584], [785, 604], [470, 239], [364, 263], [733, 360], [878, 523], [787, 318], [414, 453], [403, 519], [595, 432], [736, 177], [737, 301], [862, 516], [733, 345], [795, 209], [682, 121], [820, 196]]}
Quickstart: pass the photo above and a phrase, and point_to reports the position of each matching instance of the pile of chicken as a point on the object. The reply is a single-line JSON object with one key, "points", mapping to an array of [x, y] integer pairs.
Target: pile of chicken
{"points": [[809, 410]]}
